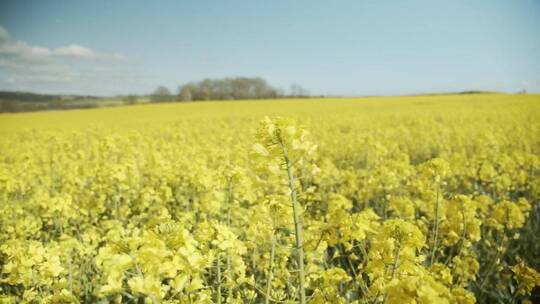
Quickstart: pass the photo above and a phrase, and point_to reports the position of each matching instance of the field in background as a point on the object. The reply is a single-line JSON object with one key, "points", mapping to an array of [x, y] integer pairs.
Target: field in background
{"points": [[433, 199], [362, 110]]}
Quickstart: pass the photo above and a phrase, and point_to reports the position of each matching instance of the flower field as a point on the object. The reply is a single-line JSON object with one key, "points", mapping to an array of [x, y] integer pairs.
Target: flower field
{"points": [[431, 199]]}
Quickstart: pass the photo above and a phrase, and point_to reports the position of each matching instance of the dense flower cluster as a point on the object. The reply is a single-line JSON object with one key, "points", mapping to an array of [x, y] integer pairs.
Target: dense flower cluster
{"points": [[414, 200]]}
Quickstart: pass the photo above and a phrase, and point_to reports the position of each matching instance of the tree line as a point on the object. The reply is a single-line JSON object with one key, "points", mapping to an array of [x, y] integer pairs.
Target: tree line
{"points": [[226, 89], [28, 102], [207, 89]]}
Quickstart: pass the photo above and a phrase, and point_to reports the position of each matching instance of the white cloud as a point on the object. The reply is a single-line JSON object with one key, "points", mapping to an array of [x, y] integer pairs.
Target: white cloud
{"points": [[74, 50], [17, 50], [72, 68], [78, 51]]}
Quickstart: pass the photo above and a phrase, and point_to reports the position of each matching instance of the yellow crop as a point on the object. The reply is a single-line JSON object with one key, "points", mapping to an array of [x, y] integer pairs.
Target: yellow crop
{"points": [[430, 199]]}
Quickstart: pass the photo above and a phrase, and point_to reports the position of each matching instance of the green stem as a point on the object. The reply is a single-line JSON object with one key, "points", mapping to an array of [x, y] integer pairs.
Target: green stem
{"points": [[394, 267], [297, 223], [230, 199], [218, 279], [436, 228]]}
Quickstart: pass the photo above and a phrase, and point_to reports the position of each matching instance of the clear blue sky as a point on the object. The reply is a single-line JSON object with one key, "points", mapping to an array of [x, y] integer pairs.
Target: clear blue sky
{"points": [[328, 47]]}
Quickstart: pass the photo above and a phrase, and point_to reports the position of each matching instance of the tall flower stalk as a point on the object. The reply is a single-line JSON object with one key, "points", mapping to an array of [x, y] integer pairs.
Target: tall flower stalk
{"points": [[285, 149], [296, 217]]}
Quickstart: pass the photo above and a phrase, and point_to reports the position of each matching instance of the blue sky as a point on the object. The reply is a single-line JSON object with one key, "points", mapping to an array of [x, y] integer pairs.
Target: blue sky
{"points": [[328, 47]]}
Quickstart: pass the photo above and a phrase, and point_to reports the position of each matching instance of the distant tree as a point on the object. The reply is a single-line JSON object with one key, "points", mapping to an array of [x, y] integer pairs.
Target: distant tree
{"points": [[205, 90], [130, 99], [226, 89], [9, 106], [297, 91], [161, 94], [185, 92]]}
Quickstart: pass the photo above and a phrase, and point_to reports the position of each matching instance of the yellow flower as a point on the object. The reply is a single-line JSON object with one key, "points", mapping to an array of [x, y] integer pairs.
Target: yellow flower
{"points": [[508, 215], [526, 277]]}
